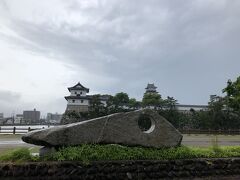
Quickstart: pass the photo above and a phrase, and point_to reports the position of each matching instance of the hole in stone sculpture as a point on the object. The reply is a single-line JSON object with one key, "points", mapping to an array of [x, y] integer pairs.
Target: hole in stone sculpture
{"points": [[145, 123]]}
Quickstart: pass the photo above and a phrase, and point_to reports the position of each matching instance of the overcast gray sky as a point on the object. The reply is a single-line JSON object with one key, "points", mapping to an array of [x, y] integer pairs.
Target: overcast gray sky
{"points": [[188, 48]]}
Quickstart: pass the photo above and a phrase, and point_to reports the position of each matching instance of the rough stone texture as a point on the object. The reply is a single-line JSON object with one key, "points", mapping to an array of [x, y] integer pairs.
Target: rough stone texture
{"points": [[46, 151], [120, 128], [218, 169]]}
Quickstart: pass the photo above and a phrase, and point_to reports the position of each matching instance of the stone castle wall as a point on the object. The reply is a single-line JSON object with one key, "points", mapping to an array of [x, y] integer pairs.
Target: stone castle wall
{"points": [[77, 108]]}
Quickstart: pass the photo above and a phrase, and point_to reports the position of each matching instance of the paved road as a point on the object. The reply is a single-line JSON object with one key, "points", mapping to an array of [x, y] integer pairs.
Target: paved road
{"points": [[8, 142], [203, 140]]}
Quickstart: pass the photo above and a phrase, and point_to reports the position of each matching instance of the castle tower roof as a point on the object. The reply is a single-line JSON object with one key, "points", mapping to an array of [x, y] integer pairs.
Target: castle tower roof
{"points": [[151, 88], [78, 86]]}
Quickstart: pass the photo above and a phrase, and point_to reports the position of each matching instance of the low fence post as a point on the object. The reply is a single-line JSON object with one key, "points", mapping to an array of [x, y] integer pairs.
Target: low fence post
{"points": [[14, 130]]}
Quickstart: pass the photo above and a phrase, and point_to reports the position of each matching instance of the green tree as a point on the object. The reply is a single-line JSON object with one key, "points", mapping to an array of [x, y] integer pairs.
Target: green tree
{"points": [[168, 110], [73, 116], [134, 104], [110, 108], [169, 103], [219, 116], [204, 120], [233, 95], [120, 99], [151, 99], [97, 108]]}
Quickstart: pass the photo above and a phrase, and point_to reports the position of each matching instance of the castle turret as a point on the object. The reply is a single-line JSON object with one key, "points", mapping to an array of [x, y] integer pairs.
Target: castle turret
{"points": [[78, 100]]}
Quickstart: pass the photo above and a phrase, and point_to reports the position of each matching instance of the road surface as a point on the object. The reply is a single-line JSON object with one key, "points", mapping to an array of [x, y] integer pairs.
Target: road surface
{"points": [[8, 142]]}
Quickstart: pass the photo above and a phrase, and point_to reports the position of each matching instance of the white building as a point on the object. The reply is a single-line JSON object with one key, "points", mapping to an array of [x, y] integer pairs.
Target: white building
{"points": [[79, 101], [54, 118], [189, 108], [18, 119]]}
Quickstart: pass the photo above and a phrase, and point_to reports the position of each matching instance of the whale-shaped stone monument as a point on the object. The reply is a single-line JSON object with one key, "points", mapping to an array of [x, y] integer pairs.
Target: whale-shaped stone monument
{"points": [[138, 128]]}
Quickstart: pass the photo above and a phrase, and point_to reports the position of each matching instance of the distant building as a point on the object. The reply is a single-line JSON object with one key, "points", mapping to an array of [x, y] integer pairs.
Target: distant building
{"points": [[31, 117], [1, 115], [215, 98], [54, 118], [189, 108], [18, 119], [151, 88], [1, 118], [79, 101]]}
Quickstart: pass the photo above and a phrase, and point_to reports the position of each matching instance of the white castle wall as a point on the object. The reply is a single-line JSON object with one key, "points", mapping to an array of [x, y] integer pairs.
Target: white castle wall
{"points": [[78, 92], [78, 102]]}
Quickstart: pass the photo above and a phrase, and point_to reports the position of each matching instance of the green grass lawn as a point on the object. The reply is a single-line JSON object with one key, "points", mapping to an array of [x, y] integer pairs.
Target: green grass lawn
{"points": [[88, 153], [194, 146]]}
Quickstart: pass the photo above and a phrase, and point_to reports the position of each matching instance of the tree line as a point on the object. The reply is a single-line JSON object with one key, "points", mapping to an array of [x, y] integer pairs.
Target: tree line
{"points": [[223, 111]]}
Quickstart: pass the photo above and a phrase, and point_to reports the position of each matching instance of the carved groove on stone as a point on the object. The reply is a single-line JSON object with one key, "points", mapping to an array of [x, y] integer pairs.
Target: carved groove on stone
{"points": [[102, 131]]}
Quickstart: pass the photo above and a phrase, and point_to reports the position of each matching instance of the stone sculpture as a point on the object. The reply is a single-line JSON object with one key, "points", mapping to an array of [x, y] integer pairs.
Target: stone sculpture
{"points": [[138, 128]]}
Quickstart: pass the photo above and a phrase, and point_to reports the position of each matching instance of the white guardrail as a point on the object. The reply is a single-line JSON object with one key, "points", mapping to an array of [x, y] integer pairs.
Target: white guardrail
{"points": [[21, 129]]}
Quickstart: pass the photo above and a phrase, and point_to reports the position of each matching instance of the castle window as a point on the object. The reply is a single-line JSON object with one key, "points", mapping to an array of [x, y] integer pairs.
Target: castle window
{"points": [[81, 101], [81, 92], [73, 101]]}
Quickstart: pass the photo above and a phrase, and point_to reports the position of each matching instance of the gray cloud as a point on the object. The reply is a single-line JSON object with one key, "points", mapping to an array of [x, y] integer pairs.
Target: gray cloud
{"points": [[8, 100], [9, 97], [188, 48]]}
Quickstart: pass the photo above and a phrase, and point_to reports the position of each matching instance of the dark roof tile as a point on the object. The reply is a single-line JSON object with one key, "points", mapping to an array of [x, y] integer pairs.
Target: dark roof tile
{"points": [[78, 86]]}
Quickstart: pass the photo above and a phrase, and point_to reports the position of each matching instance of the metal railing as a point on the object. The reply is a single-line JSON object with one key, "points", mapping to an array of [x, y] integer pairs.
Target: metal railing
{"points": [[22, 130], [16, 130]]}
